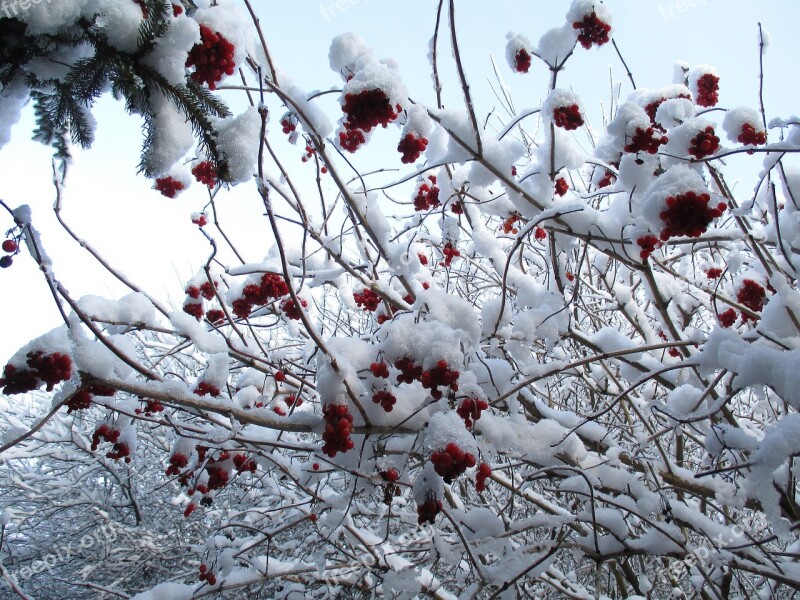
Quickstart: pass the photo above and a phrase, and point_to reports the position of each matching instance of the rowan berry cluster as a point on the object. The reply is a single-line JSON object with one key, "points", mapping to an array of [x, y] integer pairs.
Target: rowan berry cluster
{"points": [[452, 461], [450, 252], [470, 410], [704, 143], [752, 295], [82, 398], [707, 90], [411, 146], [270, 287], [484, 472], [522, 61], [427, 511], [49, 369], [427, 196], [561, 186], [212, 58], [367, 299], [592, 30], [205, 173], [338, 427], [688, 214], [168, 186], [752, 136], [441, 375], [568, 117], [645, 140]]}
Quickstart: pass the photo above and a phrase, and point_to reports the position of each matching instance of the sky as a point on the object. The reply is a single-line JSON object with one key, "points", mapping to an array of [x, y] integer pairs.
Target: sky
{"points": [[150, 237]]}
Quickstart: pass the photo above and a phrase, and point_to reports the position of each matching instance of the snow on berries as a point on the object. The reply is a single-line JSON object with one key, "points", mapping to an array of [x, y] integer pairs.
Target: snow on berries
{"points": [[705, 143], [39, 369], [592, 20], [679, 204], [704, 85], [743, 125], [206, 173], [518, 52], [752, 295], [168, 186], [212, 58], [258, 292], [427, 196], [563, 108]]}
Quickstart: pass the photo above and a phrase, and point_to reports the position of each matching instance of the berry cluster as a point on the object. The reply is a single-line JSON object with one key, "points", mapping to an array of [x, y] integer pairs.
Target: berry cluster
{"points": [[10, 247], [522, 61], [271, 286], [200, 219], [150, 407], [457, 208], [411, 146], [168, 186], [561, 186], [368, 299], [592, 30], [205, 173], [648, 244], [206, 389], [539, 234], [289, 123], [212, 58], [752, 136], [110, 434], [206, 290], [452, 461], [291, 310], [645, 140], [484, 472], [215, 316], [450, 252], [385, 398], [82, 399], [409, 370], [727, 318], [427, 196], [707, 90], [177, 462], [368, 109], [688, 214], [177, 10], [351, 139], [713, 273], [752, 295], [205, 574], [607, 179], [193, 308], [568, 117], [428, 510], [470, 410], [379, 369], [439, 375], [310, 152], [49, 369], [704, 143], [338, 426], [391, 476]]}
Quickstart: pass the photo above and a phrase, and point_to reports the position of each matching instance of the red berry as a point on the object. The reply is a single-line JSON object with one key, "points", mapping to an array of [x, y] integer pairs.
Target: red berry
{"points": [[688, 214], [205, 173], [752, 295], [280, 376], [168, 186], [561, 187], [707, 90], [315, 466], [522, 61], [568, 117], [212, 58], [411, 146], [592, 30], [312, 517], [704, 143], [10, 246], [749, 136], [727, 318]]}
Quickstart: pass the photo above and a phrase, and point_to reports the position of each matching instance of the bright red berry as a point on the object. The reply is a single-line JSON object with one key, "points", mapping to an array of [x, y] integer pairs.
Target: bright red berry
{"points": [[707, 90], [592, 30], [522, 61], [212, 58], [10, 246]]}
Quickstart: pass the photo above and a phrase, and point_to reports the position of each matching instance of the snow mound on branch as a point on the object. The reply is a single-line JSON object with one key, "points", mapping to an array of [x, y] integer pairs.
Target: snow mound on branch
{"points": [[13, 99], [736, 118], [172, 49], [556, 44], [119, 21], [345, 51], [172, 136], [132, 309], [49, 17], [238, 143]]}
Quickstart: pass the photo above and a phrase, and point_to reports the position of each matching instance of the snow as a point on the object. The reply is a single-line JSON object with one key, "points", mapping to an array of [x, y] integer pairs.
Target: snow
{"points": [[172, 49], [172, 136], [557, 44], [119, 22], [49, 17], [13, 99], [206, 341], [238, 142]]}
